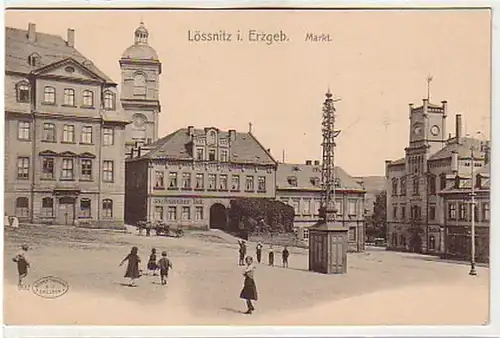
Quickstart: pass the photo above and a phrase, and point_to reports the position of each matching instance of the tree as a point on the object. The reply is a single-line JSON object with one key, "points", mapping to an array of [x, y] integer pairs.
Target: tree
{"points": [[376, 225]]}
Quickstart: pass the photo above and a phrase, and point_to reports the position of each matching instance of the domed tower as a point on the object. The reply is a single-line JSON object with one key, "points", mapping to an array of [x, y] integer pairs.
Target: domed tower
{"points": [[141, 71]]}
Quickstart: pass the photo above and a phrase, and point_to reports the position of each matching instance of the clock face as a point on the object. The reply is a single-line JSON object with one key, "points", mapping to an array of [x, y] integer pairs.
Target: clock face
{"points": [[417, 130], [435, 130]]}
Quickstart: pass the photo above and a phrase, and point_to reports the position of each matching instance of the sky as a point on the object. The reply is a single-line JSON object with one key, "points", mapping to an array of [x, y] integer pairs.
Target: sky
{"points": [[377, 62]]}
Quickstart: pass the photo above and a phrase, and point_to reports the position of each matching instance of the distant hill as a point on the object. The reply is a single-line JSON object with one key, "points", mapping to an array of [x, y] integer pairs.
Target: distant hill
{"points": [[373, 186]]}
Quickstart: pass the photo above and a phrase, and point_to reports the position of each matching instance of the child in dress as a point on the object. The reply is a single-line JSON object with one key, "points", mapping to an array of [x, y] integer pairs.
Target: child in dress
{"points": [[249, 291], [164, 264], [152, 262], [22, 264], [133, 265]]}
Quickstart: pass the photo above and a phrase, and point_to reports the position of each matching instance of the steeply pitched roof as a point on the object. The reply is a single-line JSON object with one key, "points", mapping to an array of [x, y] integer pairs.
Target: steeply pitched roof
{"points": [[463, 149], [50, 48], [245, 148], [309, 177]]}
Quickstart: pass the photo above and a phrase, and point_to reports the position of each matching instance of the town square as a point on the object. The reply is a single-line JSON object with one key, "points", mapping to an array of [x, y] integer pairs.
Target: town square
{"points": [[154, 178]]}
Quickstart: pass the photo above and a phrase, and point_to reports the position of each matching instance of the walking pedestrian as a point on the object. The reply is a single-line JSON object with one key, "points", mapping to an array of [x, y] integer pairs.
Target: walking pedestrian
{"points": [[249, 291], [271, 256], [132, 271], [285, 254], [243, 252], [22, 264], [259, 252], [164, 265], [152, 267]]}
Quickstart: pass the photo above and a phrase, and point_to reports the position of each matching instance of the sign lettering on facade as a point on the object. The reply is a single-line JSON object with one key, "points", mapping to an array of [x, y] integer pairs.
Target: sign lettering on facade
{"points": [[178, 201]]}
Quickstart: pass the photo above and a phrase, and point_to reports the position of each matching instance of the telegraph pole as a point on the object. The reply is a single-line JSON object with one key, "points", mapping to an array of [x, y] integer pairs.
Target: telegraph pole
{"points": [[472, 271]]}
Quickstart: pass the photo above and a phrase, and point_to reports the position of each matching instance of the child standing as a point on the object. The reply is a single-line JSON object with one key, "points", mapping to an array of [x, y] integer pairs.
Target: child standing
{"points": [[22, 264], [285, 255], [271, 256], [152, 266], [133, 265], [164, 264], [259, 252]]}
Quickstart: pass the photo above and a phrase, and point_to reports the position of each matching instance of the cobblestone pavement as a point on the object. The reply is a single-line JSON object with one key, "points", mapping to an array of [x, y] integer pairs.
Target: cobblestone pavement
{"points": [[380, 287]]}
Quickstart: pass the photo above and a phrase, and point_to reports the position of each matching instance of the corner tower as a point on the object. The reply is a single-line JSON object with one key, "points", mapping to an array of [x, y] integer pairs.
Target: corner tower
{"points": [[141, 69]]}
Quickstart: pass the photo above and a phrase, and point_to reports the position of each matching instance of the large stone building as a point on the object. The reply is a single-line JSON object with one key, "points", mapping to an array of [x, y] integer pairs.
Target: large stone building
{"points": [[189, 177], [416, 184], [141, 69], [64, 133], [299, 185]]}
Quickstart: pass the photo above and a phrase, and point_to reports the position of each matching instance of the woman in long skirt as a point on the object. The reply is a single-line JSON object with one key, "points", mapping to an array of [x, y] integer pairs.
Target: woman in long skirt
{"points": [[249, 291], [133, 265]]}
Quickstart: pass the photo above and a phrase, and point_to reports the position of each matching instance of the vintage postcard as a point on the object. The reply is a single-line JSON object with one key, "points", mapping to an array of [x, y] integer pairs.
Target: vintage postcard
{"points": [[247, 167]]}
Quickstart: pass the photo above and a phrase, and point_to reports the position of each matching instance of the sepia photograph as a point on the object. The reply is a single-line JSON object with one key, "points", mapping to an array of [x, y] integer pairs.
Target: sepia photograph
{"points": [[247, 167]]}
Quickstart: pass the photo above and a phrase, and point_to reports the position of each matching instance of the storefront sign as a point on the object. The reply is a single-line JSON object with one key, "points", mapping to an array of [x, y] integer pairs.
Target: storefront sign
{"points": [[178, 201]]}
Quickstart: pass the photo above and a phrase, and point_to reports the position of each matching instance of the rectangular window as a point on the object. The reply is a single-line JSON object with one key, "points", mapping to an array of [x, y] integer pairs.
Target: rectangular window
{"points": [[172, 180], [172, 213], [158, 215], [85, 207], [452, 211], [486, 211], [432, 213], [69, 97], [462, 211], [23, 92], [159, 180], [49, 132], [403, 187], [261, 183], [352, 207], [394, 186], [340, 207], [211, 155], [212, 178], [199, 154], [223, 182], [23, 130], [67, 172], [249, 186], [416, 187], [108, 136], [307, 207], [47, 168], [200, 181], [47, 207], [49, 95], [109, 100], [305, 233], [108, 171], [186, 181], [88, 98], [186, 213], [432, 185], [395, 212], [403, 213], [23, 168], [68, 133], [86, 136], [86, 169], [235, 183], [223, 155], [296, 206], [107, 208], [199, 213]]}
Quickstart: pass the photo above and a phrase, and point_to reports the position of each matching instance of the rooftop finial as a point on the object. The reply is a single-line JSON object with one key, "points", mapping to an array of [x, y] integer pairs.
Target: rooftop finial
{"points": [[429, 79], [249, 127]]}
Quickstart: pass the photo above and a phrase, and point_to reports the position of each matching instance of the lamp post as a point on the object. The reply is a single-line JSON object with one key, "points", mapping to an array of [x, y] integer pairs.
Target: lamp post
{"points": [[472, 271]]}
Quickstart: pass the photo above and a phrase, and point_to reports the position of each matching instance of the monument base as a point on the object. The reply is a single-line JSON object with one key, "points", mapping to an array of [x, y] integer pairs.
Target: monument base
{"points": [[328, 248]]}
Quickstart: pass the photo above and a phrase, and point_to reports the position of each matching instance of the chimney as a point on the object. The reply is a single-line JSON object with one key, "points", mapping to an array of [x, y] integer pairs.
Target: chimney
{"points": [[316, 162], [31, 32], [308, 162], [444, 104], [232, 134], [454, 162], [71, 38], [458, 128], [190, 130]]}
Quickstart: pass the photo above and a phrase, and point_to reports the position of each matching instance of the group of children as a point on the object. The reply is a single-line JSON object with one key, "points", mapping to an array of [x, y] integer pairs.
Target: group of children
{"points": [[284, 254], [133, 272]]}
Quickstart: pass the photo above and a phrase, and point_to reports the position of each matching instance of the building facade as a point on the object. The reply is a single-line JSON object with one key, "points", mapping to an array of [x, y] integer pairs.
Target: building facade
{"points": [[189, 177], [64, 132], [416, 210], [299, 185], [140, 69]]}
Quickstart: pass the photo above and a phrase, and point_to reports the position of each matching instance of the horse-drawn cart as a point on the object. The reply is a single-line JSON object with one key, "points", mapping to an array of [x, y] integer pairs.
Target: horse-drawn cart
{"points": [[160, 228]]}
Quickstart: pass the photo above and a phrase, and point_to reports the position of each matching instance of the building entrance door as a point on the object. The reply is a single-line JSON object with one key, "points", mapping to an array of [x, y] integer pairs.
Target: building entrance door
{"points": [[66, 211]]}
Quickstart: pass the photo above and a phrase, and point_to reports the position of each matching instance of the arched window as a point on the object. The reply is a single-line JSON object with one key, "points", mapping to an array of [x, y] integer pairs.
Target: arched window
{"points": [[85, 208], [88, 98], [139, 84], [69, 97], [49, 95], [47, 207], [23, 91], [22, 208], [107, 208], [432, 242], [109, 100]]}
